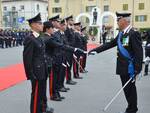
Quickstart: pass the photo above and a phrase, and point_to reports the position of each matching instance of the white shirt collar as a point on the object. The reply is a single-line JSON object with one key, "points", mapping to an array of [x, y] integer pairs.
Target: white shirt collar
{"points": [[35, 34], [55, 29], [48, 34], [62, 32], [127, 29]]}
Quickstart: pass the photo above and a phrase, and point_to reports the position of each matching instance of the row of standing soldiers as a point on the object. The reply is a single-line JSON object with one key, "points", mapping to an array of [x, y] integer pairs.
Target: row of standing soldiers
{"points": [[11, 38], [51, 55]]}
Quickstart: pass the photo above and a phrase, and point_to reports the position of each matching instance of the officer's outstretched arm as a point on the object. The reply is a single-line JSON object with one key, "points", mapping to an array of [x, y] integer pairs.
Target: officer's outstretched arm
{"points": [[104, 47]]}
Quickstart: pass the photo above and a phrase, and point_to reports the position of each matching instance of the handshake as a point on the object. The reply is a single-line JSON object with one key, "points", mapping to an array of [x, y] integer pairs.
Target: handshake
{"points": [[92, 52], [80, 51]]}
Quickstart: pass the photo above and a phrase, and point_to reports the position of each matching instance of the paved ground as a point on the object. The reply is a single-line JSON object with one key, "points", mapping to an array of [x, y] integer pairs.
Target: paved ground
{"points": [[90, 95]]}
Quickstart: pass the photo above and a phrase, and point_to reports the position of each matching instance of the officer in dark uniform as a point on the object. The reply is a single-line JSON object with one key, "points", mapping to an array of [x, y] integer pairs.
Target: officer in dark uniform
{"points": [[35, 65], [56, 47], [131, 41], [69, 33], [9, 38], [147, 51], [57, 57], [1, 38], [64, 67], [13, 38], [104, 36], [6, 39], [78, 44], [17, 38], [84, 39]]}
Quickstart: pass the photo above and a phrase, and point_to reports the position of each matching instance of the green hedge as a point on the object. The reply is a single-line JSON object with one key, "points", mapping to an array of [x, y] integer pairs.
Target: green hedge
{"points": [[93, 31]]}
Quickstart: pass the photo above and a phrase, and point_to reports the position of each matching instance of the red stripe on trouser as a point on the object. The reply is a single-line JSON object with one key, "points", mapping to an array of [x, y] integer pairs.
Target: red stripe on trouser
{"points": [[51, 83], [66, 73], [81, 64], [75, 70], [35, 98]]}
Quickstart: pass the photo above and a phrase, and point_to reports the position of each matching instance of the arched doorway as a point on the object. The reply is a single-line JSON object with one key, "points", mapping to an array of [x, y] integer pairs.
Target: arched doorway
{"points": [[84, 15], [115, 22]]}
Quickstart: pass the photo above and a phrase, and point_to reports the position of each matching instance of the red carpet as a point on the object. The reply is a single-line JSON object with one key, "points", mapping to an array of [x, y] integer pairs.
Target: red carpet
{"points": [[11, 75], [15, 74], [91, 46]]}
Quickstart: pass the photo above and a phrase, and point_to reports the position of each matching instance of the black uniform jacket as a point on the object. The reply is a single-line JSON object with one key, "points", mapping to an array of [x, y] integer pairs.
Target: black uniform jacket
{"points": [[84, 42], [69, 33], [55, 47], [133, 45], [147, 46], [34, 58], [78, 40]]}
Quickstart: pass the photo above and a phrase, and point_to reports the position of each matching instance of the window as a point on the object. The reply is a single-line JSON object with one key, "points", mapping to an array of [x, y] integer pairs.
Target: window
{"points": [[89, 8], [106, 8], [57, 10], [22, 7], [141, 18], [125, 7], [13, 8], [5, 8], [91, 0], [141, 6], [56, 1], [37, 7], [106, 19]]}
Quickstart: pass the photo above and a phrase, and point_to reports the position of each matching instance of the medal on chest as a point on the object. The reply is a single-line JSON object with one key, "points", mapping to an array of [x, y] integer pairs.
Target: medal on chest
{"points": [[125, 40]]}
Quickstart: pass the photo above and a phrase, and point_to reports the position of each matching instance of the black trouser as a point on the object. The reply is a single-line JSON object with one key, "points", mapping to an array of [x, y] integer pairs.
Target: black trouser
{"points": [[130, 94], [56, 77], [6, 42], [84, 61], [146, 68], [9, 42], [76, 66], [14, 42], [69, 60], [38, 96], [2, 43], [62, 75]]}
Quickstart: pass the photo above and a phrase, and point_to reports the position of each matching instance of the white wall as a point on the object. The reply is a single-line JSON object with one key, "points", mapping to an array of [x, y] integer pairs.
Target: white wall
{"points": [[30, 9]]}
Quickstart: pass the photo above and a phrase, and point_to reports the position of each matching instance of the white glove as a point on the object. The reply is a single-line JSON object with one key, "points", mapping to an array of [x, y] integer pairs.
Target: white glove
{"points": [[74, 56], [64, 65]]}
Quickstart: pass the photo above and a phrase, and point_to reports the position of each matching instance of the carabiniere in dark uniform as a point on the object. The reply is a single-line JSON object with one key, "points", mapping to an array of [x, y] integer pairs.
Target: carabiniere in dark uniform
{"points": [[131, 41], [35, 65]]}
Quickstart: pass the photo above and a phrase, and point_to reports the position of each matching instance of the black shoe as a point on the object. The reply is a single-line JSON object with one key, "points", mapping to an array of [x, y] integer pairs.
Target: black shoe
{"points": [[145, 74], [61, 97], [127, 112], [63, 89], [70, 82], [58, 94], [78, 77], [85, 71], [67, 88], [55, 98], [49, 110]]}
